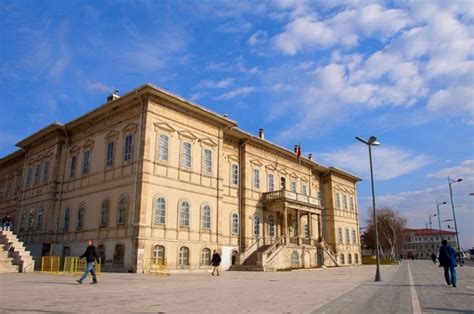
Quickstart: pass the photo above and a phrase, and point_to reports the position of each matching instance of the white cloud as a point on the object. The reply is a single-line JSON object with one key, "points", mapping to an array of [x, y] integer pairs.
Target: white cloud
{"points": [[454, 100], [465, 169], [98, 86], [235, 27], [257, 37], [224, 83], [388, 161], [241, 91]]}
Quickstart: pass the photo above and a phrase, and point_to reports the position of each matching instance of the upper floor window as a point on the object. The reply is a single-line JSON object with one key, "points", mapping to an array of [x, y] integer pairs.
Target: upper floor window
{"points": [[31, 218], [39, 218], [206, 217], [46, 171], [354, 237], [17, 185], [29, 173], [186, 155], [37, 174], [86, 162], [235, 174], [163, 147], [339, 234], [66, 219], [208, 160], [235, 223], [127, 151], [160, 211], [283, 183], [72, 166], [256, 178], [338, 200], [351, 203], [271, 184], [304, 190], [293, 186], [348, 239], [80, 218], [109, 157], [344, 199], [256, 226], [122, 210], [184, 214], [23, 218], [104, 213], [205, 257]]}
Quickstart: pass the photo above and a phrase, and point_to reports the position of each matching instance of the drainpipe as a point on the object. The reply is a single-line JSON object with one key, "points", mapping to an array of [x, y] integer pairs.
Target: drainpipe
{"points": [[61, 184], [240, 198]]}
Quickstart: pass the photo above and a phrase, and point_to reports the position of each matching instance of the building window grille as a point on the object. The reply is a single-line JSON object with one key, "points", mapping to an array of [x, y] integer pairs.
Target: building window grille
{"points": [[159, 255], [163, 148], [72, 167], [306, 231], [342, 259], [206, 257], [183, 256], [31, 218], [80, 218], [339, 233], [186, 155], [338, 200], [354, 237], [256, 178], [271, 226], [256, 226], [29, 173], [46, 171], [104, 213], [86, 162], [184, 216], [160, 211], [271, 185]]}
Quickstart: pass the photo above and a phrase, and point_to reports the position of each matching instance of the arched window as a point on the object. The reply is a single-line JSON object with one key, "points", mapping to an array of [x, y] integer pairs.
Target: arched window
{"points": [[206, 217], [235, 223], [354, 237], [104, 213], [184, 214], [349, 259], [31, 218], [206, 257], [256, 226], [186, 155], [163, 148], [339, 233], [348, 238], [160, 211], [356, 258], [271, 185], [159, 255], [295, 259], [39, 218], [183, 256], [101, 249], [80, 217], [208, 161], [342, 259], [235, 174], [127, 151], [283, 183], [122, 210], [118, 255], [271, 226], [66, 219]]}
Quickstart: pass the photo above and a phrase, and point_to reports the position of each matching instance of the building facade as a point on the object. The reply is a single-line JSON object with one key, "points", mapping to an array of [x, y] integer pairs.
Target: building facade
{"points": [[421, 243], [155, 179]]}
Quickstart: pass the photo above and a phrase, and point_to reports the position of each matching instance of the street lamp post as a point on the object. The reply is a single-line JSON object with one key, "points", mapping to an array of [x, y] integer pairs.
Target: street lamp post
{"points": [[439, 218], [450, 182], [429, 217], [373, 142]]}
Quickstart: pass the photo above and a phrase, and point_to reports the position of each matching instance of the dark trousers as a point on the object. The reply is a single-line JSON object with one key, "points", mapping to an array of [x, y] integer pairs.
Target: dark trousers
{"points": [[450, 274]]}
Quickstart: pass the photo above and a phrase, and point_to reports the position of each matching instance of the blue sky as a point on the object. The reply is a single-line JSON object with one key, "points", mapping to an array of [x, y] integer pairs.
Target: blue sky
{"points": [[311, 72]]}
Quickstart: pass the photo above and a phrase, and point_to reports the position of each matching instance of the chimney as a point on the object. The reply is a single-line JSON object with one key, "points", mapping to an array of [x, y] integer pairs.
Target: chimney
{"points": [[310, 156], [113, 96], [295, 149], [261, 133]]}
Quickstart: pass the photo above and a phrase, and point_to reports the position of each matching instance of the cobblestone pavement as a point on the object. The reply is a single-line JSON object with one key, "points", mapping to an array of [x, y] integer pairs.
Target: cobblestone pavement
{"points": [[335, 290]]}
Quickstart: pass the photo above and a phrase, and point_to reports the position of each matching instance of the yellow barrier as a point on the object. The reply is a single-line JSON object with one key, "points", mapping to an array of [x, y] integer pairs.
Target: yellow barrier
{"points": [[72, 265], [158, 267], [50, 264]]}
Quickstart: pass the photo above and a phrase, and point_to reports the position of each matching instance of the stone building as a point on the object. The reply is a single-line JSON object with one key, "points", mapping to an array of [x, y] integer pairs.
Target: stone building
{"points": [[421, 243], [153, 178]]}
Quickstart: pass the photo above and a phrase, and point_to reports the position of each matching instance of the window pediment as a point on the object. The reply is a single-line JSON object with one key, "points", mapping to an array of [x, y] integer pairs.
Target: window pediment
{"points": [[256, 162], [283, 172], [208, 141], [130, 128], [74, 149], [270, 167], [112, 135], [187, 134], [164, 126], [233, 157], [88, 144]]}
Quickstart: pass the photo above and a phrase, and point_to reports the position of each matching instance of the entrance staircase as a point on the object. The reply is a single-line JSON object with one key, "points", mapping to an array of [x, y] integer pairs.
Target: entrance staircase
{"points": [[13, 255]]}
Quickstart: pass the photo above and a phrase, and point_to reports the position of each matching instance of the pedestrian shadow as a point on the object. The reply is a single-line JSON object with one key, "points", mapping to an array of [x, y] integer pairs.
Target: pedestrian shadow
{"points": [[447, 310], [11, 310], [54, 283]]}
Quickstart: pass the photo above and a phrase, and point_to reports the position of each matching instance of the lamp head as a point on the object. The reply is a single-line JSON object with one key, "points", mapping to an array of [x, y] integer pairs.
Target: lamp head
{"points": [[373, 141], [459, 180], [443, 203]]}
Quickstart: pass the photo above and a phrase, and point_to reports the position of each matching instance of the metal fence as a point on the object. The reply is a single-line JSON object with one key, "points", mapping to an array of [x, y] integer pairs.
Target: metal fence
{"points": [[158, 267], [72, 265]]}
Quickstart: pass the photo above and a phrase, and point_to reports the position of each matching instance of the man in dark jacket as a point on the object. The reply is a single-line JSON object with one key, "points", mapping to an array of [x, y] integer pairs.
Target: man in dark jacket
{"points": [[91, 256], [215, 261], [447, 259]]}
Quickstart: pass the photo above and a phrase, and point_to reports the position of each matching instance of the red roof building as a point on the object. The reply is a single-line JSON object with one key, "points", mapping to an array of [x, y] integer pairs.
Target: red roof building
{"points": [[421, 243]]}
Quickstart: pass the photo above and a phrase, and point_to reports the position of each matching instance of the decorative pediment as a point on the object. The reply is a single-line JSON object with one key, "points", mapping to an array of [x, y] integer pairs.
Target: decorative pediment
{"points": [[283, 172], [187, 134], [233, 157], [88, 144], [256, 162], [270, 167], [208, 141], [293, 175], [164, 126], [304, 179], [112, 135], [130, 128], [74, 149]]}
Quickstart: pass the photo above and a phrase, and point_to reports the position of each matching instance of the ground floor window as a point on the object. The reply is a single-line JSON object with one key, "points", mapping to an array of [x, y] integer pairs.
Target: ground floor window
{"points": [[356, 258], [295, 260], [206, 257], [183, 256], [342, 259], [159, 255], [349, 259], [118, 255]]}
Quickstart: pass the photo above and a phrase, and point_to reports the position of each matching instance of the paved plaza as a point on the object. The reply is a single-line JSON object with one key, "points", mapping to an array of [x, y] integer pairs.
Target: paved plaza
{"points": [[411, 287]]}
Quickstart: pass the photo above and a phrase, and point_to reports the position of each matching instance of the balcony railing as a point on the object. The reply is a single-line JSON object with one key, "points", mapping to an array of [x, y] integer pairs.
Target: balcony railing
{"points": [[288, 195]]}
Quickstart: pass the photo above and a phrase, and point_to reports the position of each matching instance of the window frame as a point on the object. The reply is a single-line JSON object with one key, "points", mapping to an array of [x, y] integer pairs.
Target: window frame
{"points": [[235, 224], [207, 161], [234, 173], [46, 171], [110, 153], [184, 214], [128, 147], [160, 211], [206, 217], [186, 155], [256, 178], [86, 162], [163, 150], [271, 182]]}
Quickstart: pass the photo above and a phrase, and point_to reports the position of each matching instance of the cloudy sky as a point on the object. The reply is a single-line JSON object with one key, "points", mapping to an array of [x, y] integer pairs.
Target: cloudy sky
{"points": [[311, 72]]}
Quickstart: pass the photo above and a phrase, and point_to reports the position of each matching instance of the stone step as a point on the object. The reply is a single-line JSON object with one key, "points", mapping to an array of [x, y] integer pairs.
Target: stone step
{"points": [[9, 269]]}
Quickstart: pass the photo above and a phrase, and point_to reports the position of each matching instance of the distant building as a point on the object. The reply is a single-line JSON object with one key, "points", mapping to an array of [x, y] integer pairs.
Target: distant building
{"points": [[420, 243]]}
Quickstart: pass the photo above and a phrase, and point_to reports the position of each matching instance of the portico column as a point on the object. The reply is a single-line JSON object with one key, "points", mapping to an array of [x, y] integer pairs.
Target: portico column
{"points": [[310, 226], [285, 222]]}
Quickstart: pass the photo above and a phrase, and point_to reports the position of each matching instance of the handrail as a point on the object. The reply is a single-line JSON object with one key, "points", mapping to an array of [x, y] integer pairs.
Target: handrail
{"points": [[251, 249], [272, 249], [328, 250]]}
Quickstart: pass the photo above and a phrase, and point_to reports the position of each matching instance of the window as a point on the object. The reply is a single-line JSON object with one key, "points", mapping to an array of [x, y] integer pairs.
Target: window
{"points": [[344, 198], [160, 211], [37, 174], [271, 226], [235, 174], [256, 226], [163, 148], [206, 217], [184, 214], [271, 186], [23, 218], [283, 183], [342, 259], [295, 259], [66, 219], [127, 151], [72, 165], [183, 256], [118, 255], [159, 255], [235, 223], [306, 231], [122, 210], [86, 162], [354, 237], [351, 203], [39, 218], [356, 258], [295, 228], [349, 258], [31, 218], [339, 233], [17, 185], [109, 156], [338, 200], [101, 249], [304, 190], [46, 171], [348, 239], [208, 161], [206, 257], [320, 194], [293, 186], [256, 178], [186, 155], [29, 173], [80, 218], [104, 213]]}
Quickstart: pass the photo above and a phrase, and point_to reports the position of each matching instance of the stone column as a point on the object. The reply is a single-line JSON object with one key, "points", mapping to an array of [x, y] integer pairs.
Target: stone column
{"points": [[310, 225], [285, 221]]}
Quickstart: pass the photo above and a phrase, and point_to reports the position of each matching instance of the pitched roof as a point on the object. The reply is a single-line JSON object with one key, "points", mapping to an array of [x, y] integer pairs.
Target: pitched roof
{"points": [[428, 232]]}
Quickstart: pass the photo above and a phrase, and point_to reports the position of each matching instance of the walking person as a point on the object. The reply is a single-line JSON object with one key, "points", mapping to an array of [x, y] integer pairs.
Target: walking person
{"points": [[433, 257], [7, 223], [215, 261], [447, 259], [91, 256]]}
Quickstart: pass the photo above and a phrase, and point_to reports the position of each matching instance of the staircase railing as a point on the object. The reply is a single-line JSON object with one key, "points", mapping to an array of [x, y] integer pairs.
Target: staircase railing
{"points": [[272, 251], [250, 250], [328, 250]]}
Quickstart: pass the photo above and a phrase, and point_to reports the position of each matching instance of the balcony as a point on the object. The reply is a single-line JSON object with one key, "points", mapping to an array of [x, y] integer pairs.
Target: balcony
{"points": [[284, 198]]}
